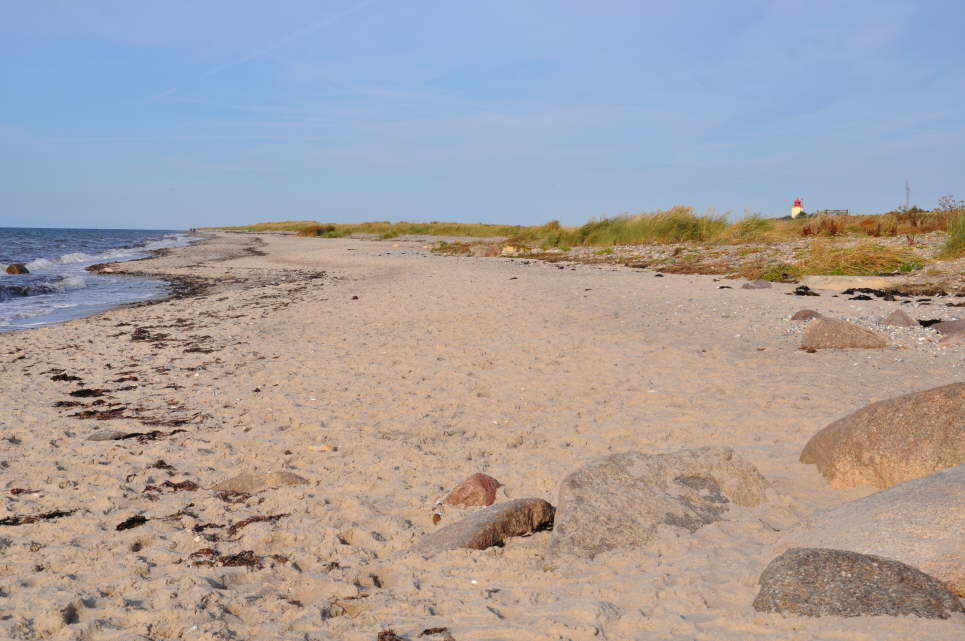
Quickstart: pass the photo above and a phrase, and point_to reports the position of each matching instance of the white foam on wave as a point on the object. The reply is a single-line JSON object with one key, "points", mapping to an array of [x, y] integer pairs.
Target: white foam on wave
{"points": [[69, 282], [120, 252], [39, 264], [76, 257], [168, 242]]}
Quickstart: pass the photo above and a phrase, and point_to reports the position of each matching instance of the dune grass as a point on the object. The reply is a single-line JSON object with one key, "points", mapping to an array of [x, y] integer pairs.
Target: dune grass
{"points": [[955, 245], [674, 225], [864, 259]]}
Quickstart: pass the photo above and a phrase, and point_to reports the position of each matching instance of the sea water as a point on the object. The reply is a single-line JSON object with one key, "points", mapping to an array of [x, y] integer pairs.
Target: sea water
{"points": [[58, 288]]}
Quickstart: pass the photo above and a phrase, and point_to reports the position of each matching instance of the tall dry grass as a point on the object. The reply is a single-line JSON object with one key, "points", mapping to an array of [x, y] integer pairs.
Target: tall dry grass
{"points": [[865, 259], [675, 225], [955, 245]]}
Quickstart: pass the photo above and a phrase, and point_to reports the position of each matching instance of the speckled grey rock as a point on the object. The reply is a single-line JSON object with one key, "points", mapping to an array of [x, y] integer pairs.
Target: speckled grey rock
{"points": [[107, 435], [918, 522], [830, 333], [949, 327], [805, 315], [894, 440], [489, 526], [823, 582], [757, 284], [899, 318], [251, 482], [619, 501]]}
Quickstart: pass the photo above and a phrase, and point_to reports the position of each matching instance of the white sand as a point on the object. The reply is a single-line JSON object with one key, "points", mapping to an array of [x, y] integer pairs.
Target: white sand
{"points": [[442, 367]]}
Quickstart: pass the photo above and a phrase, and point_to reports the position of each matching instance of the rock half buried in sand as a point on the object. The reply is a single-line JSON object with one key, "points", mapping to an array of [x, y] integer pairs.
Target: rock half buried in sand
{"points": [[917, 522], [899, 318], [949, 327], [805, 315], [892, 441], [489, 526], [757, 284], [619, 501], [107, 435], [818, 582], [17, 268], [830, 333], [841, 283], [251, 482], [477, 490]]}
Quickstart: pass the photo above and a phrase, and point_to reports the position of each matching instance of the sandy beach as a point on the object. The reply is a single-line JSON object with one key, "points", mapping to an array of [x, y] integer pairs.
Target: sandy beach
{"points": [[384, 375]]}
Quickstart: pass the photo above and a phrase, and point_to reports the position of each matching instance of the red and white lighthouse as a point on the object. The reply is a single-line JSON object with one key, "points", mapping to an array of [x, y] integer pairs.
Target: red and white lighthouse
{"points": [[797, 208]]}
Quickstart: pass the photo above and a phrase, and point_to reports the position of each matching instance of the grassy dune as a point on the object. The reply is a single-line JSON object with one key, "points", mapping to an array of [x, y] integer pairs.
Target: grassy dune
{"points": [[683, 225], [675, 225]]}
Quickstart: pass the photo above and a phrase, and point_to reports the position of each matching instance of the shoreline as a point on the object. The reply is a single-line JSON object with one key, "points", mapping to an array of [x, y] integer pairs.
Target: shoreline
{"points": [[174, 286], [383, 375]]}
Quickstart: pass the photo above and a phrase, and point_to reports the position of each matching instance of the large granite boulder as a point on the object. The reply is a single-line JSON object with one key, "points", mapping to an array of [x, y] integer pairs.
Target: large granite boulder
{"points": [[821, 582], [894, 440], [831, 333], [619, 501], [489, 526], [917, 522]]}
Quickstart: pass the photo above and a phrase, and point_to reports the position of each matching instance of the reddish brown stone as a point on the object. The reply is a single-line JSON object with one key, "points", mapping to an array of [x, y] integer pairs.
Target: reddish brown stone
{"points": [[477, 490]]}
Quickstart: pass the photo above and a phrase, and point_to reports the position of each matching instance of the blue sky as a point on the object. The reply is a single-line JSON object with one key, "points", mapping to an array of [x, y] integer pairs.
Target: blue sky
{"points": [[187, 113]]}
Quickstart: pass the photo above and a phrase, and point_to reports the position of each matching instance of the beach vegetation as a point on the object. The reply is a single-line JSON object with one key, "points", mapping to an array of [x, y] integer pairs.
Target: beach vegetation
{"points": [[955, 244], [863, 259], [684, 225]]}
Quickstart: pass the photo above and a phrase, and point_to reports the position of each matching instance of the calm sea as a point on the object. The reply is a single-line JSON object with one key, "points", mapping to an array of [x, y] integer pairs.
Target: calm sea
{"points": [[58, 288]]}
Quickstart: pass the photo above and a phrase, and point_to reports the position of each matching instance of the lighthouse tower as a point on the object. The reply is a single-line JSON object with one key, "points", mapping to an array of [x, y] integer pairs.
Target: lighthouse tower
{"points": [[797, 209]]}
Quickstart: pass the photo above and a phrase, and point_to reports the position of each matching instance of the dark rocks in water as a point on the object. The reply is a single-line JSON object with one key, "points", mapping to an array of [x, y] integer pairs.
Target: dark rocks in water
{"points": [[824, 582], [806, 314], [17, 268], [490, 526], [618, 502], [831, 333], [804, 290]]}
